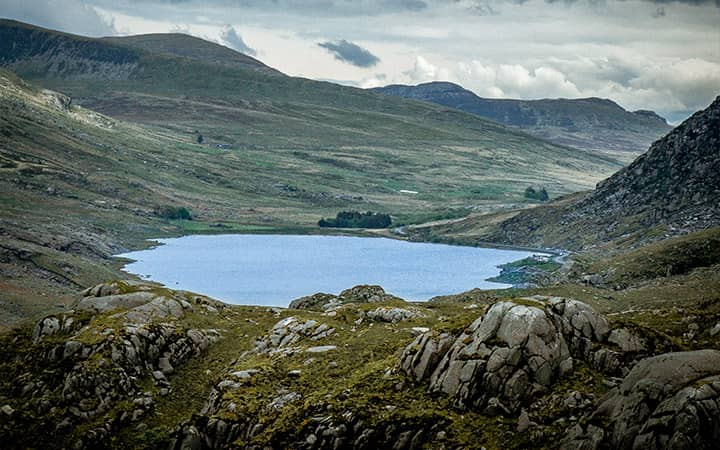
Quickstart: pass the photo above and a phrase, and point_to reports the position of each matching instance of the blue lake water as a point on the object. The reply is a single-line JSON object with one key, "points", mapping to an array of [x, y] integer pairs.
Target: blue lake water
{"points": [[275, 269]]}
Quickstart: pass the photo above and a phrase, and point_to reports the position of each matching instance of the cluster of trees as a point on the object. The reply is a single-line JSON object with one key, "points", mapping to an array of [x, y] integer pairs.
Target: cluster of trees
{"points": [[173, 213], [537, 194], [354, 219]]}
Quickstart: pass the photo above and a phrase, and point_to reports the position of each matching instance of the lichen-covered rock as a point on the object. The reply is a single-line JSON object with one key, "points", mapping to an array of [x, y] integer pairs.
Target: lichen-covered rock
{"points": [[421, 357], [102, 361], [63, 323], [157, 308], [626, 340], [346, 430], [357, 294], [319, 301], [289, 331], [667, 401], [103, 303], [366, 294], [513, 353], [392, 315], [510, 355]]}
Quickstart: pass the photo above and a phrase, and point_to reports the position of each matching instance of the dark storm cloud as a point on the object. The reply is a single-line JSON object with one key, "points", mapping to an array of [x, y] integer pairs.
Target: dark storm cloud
{"points": [[350, 53], [231, 37]]}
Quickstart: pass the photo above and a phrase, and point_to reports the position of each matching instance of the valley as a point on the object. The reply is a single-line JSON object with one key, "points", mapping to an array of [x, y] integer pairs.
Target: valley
{"points": [[106, 143]]}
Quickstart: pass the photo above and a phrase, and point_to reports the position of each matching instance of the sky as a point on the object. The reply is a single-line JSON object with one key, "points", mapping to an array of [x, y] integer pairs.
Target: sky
{"points": [[662, 55]]}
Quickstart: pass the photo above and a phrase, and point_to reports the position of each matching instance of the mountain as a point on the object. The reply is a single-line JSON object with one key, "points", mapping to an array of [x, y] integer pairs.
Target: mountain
{"points": [[672, 189], [588, 123], [175, 83]]}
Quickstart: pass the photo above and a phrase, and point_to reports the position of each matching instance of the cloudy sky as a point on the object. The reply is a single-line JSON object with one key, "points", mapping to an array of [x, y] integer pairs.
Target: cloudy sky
{"points": [[645, 54]]}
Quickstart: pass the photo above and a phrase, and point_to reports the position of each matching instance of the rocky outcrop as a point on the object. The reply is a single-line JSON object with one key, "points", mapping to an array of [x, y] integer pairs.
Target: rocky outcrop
{"points": [[357, 294], [103, 360], [393, 315], [318, 302], [101, 304], [667, 401], [345, 431], [512, 354], [288, 332]]}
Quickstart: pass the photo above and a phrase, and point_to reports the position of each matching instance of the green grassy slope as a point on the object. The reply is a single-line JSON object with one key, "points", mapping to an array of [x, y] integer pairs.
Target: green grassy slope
{"points": [[309, 125]]}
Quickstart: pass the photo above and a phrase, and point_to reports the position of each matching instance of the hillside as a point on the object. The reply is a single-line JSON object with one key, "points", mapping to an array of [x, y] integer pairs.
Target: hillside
{"points": [[589, 123], [312, 126], [671, 189]]}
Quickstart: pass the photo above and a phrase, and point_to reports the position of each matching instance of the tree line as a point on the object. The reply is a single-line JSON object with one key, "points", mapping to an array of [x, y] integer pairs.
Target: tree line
{"points": [[354, 219]]}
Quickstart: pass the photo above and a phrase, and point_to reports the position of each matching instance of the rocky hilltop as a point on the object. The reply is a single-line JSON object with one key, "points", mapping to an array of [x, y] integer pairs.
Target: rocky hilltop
{"points": [[590, 123], [136, 365], [672, 189]]}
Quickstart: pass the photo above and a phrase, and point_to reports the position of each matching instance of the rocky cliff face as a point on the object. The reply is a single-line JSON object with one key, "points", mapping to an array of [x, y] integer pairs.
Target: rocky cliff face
{"points": [[672, 189], [591, 123]]}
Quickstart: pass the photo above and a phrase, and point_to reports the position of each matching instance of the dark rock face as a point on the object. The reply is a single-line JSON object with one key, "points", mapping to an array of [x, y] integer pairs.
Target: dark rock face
{"points": [[667, 401], [675, 185], [679, 172], [322, 432], [589, 123]]}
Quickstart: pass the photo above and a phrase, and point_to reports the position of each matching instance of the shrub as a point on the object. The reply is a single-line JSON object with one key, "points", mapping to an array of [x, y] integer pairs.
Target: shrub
{"points": [[539, 194], [173, 213]]}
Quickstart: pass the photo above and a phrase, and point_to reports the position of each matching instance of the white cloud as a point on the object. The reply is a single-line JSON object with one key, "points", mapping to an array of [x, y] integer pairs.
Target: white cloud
{"points": [[232, 39], [424, 71]]}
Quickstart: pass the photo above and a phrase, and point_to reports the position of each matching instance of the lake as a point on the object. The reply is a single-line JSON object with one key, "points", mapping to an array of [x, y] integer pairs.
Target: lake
{"points": [[276, 269]]}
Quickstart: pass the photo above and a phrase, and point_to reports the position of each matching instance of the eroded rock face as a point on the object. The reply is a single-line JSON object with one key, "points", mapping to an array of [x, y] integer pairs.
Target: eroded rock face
{"points": [[423, 355], [667, 401], [510, 355], [63, 323]]}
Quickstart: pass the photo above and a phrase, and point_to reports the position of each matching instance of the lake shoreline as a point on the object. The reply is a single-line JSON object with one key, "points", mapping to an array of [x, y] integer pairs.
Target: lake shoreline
{"points": [[471, 266]]}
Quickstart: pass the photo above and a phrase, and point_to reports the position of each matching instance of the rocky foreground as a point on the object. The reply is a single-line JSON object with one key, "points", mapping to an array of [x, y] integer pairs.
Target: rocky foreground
{"points": [[136, 365]]}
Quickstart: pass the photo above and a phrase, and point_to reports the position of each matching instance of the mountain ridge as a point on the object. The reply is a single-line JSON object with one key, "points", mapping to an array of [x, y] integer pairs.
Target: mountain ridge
{"points": [[672, 189], [593, 123]]}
